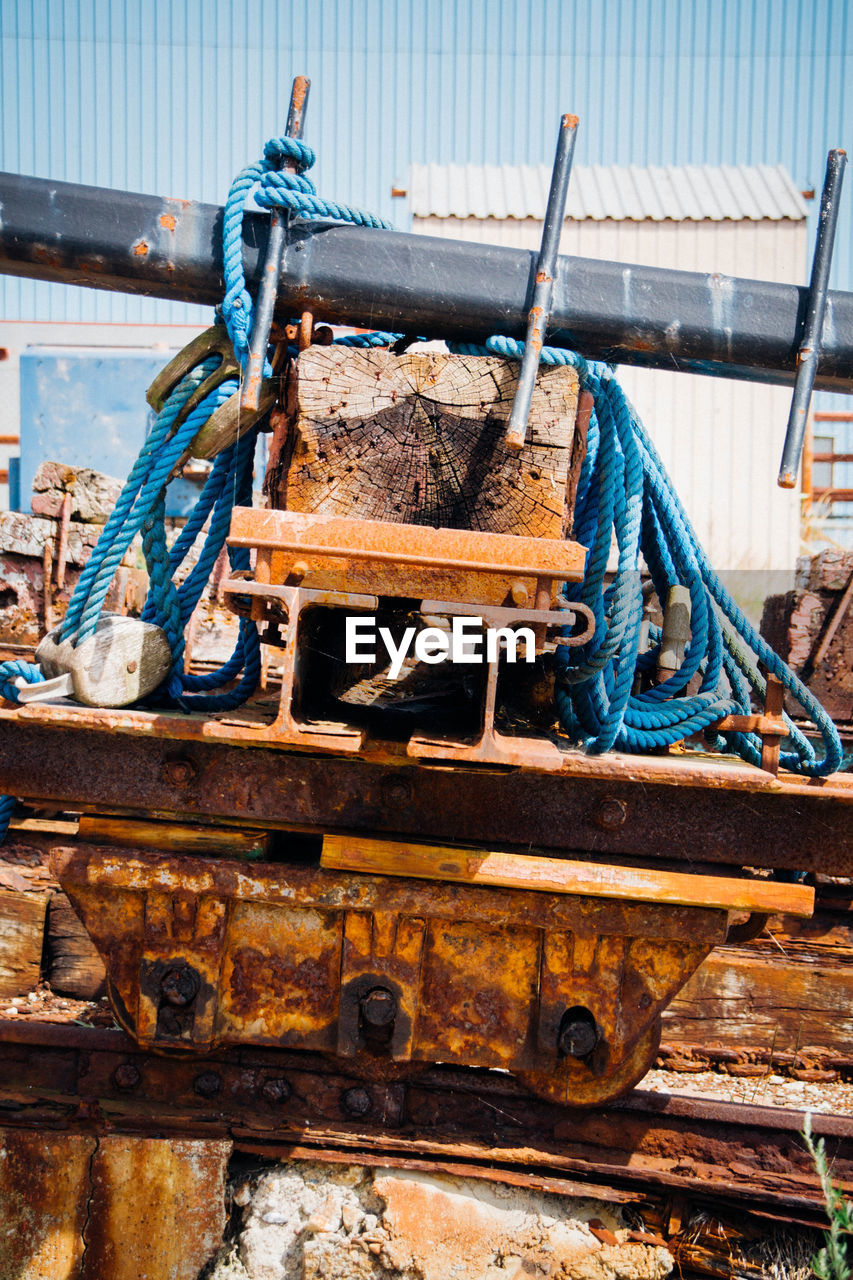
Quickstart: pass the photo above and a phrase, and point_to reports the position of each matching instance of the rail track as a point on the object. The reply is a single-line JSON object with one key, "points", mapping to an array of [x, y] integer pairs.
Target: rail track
{"points": [[74, 1078]]}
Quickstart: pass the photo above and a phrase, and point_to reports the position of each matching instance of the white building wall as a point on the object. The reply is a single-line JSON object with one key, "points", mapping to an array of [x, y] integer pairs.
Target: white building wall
{"points": [[720, 440]]}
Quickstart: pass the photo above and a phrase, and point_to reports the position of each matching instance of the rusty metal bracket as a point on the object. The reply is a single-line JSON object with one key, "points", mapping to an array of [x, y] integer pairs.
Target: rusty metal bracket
{"points": [[388, 973]]}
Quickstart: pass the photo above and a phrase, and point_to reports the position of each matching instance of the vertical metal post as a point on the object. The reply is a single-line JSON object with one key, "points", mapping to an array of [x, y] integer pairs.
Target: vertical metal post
{"points": [[808, 356], [268, 289], [540, 311]]}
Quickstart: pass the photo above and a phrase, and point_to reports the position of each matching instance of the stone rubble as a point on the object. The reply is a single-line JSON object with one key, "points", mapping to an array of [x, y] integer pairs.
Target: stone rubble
{"points": [[312, 1221]]}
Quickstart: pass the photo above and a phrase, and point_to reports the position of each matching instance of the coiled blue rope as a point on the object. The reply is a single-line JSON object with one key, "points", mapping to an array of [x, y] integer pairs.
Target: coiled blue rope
{"points": [[141, 504], [624, 489]]}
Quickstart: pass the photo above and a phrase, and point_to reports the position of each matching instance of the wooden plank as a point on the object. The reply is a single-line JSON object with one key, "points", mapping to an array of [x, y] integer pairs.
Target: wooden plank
{"points": [[175, 837], [770, 1002], [419, 438], [21, 941], [553, 875]]}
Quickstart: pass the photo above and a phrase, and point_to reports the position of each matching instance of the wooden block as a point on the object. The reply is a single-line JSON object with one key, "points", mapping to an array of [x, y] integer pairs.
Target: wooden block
{"points": [[74, 966], [420, 439], [553, 875], [174, 837], [770, 1002], [21, 941]]}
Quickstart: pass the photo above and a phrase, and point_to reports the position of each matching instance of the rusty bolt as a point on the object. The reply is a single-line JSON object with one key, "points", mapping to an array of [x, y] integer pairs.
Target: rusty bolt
{"points": [[578, 1033], [126, 1076], [276, 1089], [132, 665], [179, 772], [207, 1085], [356, 1102], [610, 814], [378, 1007], [180, 984]]}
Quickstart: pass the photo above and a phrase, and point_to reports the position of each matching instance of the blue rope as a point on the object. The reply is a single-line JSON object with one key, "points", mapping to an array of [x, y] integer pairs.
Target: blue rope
{"points": [[272, 189], [624, 490]]}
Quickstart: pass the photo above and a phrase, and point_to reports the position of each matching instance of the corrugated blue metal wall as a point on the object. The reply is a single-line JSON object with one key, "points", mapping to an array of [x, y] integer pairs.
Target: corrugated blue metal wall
{"points": [[173, 96]]}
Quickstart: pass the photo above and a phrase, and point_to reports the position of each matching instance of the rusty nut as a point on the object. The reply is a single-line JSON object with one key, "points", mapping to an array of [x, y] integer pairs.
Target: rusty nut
{"points": [[378, 1007], [207, 1084], [126, 1076], [356, 1102], [180, 985], [610, 814]]}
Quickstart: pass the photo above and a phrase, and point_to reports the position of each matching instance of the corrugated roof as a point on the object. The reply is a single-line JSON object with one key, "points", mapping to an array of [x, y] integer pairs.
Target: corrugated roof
{"points": [[693, 193]]}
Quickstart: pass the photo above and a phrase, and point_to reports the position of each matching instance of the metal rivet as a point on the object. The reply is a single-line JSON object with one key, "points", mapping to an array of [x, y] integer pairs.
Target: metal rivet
{"points": [[356, 1102], [378, 1007], [275, 1090], [178, 772], [132, 665], [126, 1076], [610, 814], [396, 792], [180, 985], [207, 1085]]}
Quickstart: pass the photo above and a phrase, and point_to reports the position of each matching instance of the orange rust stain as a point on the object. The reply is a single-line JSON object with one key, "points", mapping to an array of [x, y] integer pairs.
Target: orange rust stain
{"points": [[140, 249], [167, 220]]}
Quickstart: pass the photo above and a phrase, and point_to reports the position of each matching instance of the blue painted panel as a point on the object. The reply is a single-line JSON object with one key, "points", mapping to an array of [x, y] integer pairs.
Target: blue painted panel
{"points": [[174, 96], [87, 408]]}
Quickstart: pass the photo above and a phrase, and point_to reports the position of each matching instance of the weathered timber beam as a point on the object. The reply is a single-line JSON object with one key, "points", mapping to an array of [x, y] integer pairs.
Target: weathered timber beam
{"points": [[168, 248]]}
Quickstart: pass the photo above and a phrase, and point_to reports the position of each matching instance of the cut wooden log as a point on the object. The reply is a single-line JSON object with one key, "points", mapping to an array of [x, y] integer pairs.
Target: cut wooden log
{"points": [[420, 439], [74, 966], [21, 941], [175, 837]]}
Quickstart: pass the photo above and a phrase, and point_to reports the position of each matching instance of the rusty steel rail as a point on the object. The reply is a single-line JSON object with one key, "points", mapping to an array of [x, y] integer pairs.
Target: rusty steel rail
{"points": [[665, 809], [280, 1103], [168, 248]]}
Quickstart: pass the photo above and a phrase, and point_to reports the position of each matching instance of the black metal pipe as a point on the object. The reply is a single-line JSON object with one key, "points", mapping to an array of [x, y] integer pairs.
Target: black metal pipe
{"points": [[279, 221], [808, 356], [540, 310], [418, 284]]}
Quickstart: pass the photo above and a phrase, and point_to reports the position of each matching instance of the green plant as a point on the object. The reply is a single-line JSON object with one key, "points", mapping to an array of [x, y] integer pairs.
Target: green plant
{"points": [[833, 1261]]}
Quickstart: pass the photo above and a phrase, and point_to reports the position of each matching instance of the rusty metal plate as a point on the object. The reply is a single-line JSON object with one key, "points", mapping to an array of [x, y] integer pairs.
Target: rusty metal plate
{"points": [[44, 1192], [676, 809], [87, 1206], [156, 1207], [206, 953]]}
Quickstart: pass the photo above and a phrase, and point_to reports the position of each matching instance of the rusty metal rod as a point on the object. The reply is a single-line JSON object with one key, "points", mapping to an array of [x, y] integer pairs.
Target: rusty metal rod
{"points": [[651, 316], [268, 290], [540, 311], [808, 356]]}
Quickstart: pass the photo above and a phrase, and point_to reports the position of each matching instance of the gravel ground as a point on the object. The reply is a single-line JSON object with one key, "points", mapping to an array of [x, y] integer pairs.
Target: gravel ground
{"points": [[764, 1091]]}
